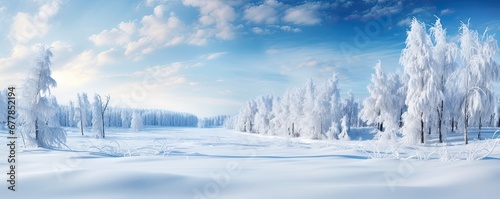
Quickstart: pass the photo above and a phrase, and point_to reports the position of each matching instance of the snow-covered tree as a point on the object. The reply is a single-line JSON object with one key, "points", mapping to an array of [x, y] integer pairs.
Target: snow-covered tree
{"points": [[444, 55], [125, 117], [83, 112], [97, 119], [36, 107], [71, 115], [385, 104], [350, 109], [262, 116], [423, 96], [246, 117], [136, 123], [371, 112], [343, 123], [481, 70], [309, 111], [98, 109]]}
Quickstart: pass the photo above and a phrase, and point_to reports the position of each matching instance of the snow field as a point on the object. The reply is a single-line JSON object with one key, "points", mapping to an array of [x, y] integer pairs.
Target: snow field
{"points": [[219, 163]]}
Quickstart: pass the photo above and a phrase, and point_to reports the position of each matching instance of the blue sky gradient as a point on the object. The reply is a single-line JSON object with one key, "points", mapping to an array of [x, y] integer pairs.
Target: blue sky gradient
{"points": [[209, 57]]}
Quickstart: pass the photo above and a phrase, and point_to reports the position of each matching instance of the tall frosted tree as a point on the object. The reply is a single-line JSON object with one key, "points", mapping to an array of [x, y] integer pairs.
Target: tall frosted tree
{"points": [[372, 106], [444, 55], [423, 96], [480, 71], [84, 112], [98, 109], [36, 107], [351, 109], [136, 122], [71, 114]]}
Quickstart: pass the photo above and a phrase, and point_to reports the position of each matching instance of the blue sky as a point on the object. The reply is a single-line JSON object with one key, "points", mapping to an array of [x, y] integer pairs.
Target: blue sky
{"points": [[209, 57]]}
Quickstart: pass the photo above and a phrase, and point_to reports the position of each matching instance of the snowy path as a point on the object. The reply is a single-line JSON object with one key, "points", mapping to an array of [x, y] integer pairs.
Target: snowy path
{"points": [[217, 163]]}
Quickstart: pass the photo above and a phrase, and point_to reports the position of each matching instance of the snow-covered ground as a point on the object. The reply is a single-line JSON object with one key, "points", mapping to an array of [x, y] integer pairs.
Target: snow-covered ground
{"points": [[209, 163]]}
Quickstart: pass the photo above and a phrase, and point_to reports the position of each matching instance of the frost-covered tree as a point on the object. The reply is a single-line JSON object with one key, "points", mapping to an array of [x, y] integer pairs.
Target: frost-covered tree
{"points": [[262, 116], [311, 111], [83, 112], [36, 106], [444, 55], [246, 117], [125, 117], [385, 104], [350, 109], [344, 135], [481, 70], [136, 122], [423, 96], [97, 119], [371, 112], [98, 109], [71, 114]]}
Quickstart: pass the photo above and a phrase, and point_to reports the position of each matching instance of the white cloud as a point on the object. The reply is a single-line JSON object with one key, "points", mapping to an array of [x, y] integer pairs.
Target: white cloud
{"points": [[26, 26], [2, 9], [260, 31], [216, 18], [306, 14], [215, 55], [19, 57], [156, 33], [158, 11], [404, 22], [154, 2], [59, 46], [447, 11], [381, 8], [115, 36], [264, 13], [105, 57], [290, 29]]}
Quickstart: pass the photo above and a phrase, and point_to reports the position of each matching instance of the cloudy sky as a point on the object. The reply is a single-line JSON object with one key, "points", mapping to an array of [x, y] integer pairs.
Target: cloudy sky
{"points": [[208, 57]]}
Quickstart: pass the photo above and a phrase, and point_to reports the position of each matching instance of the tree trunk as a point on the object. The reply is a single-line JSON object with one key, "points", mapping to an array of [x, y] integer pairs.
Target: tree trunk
{"points": [[466, 135], [422, 128], [37, 138], [103, 133], [452, 124], [81, 121], [479, 133], [401, 118], [440, 122]]}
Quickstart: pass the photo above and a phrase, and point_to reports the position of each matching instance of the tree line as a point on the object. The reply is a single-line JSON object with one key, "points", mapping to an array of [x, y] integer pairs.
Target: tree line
{"points": [[39, 117], [445, 86]]}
